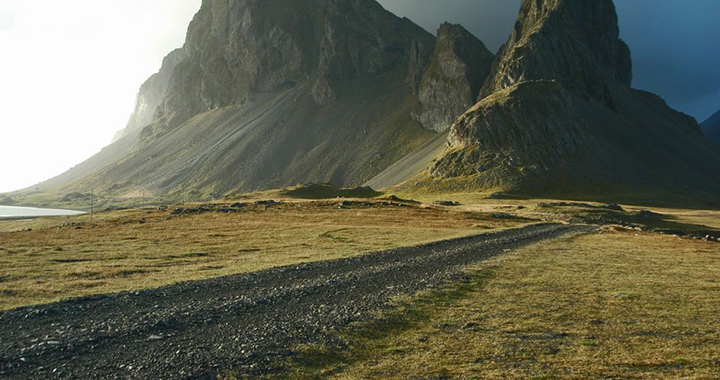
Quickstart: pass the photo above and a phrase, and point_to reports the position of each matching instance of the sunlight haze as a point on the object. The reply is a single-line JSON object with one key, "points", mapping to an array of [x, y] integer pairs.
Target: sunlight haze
{"points": [[70, 72]]}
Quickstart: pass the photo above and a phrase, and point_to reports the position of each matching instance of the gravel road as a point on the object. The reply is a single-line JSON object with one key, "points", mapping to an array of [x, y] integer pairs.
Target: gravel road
{"points": [[246, 323]]}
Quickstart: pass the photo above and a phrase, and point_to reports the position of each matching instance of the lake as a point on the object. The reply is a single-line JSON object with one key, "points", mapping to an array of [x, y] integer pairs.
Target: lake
{"points": [[13, 212]]}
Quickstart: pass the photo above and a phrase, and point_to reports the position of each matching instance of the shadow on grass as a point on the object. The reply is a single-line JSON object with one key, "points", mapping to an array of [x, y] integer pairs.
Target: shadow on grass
{"points": [[367, 340]]}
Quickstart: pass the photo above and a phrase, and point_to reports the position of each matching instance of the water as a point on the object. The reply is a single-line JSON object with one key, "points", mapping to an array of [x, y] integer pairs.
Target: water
{"points": [[12, 212]]}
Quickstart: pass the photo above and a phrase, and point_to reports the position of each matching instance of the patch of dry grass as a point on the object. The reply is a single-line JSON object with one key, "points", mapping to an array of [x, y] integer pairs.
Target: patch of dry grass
{"points": [[611, 305], [136, 249]]}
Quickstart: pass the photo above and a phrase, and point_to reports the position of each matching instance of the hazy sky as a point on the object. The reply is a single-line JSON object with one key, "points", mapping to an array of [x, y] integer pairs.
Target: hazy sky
{"points": [[70, 69], [69, 73]]}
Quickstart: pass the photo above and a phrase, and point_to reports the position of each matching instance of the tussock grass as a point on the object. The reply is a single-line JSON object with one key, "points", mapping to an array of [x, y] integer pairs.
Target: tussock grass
{"points": [[137, 249], [611, 305]]}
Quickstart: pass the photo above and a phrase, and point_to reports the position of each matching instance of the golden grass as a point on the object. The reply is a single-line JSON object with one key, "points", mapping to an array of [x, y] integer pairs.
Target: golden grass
{"points": [[611, 305], [117, 252]]}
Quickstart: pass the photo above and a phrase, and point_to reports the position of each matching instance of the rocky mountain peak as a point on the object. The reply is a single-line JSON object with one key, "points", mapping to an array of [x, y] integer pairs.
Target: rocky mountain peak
{"points": [[573, 42], [238, 48], [558, 116], [452, 81]]}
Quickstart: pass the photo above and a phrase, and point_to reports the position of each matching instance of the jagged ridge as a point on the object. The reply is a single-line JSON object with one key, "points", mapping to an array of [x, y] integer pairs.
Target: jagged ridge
{"points": [[559, 118], [451, 84]]}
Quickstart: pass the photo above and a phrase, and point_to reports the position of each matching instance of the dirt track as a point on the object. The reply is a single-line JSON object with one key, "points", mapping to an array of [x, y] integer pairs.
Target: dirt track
{"points": [[244, 323]]}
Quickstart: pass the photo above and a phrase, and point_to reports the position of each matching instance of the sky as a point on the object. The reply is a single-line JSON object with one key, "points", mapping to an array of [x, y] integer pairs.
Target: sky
{"points": [[70, 70]]}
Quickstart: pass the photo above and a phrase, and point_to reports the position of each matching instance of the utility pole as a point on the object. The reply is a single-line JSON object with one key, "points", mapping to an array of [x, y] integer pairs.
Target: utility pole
{"points": [[92, 202]]}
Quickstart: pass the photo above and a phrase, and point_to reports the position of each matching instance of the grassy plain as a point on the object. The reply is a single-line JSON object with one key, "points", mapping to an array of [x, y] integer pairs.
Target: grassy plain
{"points": [[145, 248], [620, 304]]}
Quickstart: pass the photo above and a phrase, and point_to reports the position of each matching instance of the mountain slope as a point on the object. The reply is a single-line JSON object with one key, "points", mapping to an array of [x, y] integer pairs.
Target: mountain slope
{"points": [[711, 121], [713, 134], [559, 119], [269, 94], [711, 127], [151, 94]]}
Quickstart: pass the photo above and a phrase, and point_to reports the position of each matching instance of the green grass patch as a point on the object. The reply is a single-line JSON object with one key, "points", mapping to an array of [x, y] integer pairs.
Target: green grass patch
{"points": [[371, 340]]}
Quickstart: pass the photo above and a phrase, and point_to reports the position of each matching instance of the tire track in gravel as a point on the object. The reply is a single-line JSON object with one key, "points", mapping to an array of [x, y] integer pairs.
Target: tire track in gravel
{"points": [[246, 323]]}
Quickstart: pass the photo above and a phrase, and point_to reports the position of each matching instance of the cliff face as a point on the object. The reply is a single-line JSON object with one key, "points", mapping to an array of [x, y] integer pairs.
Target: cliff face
{"points": [[452, 81], [151, 95], [239, 48], [573, 42], [558, 117]]}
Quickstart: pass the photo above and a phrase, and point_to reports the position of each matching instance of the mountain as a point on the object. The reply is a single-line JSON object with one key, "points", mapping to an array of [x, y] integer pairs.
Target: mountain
{"points": [[267, 94], [713, 134], [451, 84], [151, 95], [557, 117], [711, 127], [711, 121]]}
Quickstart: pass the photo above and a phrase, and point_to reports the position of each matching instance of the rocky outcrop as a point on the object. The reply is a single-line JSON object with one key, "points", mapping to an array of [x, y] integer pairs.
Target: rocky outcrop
{"points": [[239, 48], [151, 95], [573, 42], [451, 84], [558, 117]]}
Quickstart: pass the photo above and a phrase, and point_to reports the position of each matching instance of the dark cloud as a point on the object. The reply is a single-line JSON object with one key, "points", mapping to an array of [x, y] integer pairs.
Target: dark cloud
{"points": [[674, 42]]}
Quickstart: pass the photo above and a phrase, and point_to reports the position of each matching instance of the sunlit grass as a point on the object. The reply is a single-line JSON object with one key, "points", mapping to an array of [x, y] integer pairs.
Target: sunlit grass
{"points": [[136, 249], [612, 305]]}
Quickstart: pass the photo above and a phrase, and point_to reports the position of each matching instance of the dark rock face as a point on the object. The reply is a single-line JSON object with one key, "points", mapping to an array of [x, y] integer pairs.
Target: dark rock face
{"points": [[574, 42], [452, 81], [713, 134], [239, 48], [711, 121], [558, 116], [711, 127], [151, 94]]}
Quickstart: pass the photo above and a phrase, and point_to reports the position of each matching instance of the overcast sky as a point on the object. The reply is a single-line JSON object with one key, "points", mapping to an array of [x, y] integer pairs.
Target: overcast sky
{"points": [[70, 69]]}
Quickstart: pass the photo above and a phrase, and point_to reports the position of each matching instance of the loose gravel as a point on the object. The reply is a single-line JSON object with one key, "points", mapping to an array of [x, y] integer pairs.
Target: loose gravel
{"points": [[243, 323]]}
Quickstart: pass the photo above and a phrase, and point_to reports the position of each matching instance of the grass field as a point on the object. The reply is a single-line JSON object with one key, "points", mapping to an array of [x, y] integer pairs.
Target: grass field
{"points": [[613, 305], [137, 249], [619, 304]]}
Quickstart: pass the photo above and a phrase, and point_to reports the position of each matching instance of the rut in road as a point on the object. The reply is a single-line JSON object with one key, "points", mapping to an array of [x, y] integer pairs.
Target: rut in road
{"points": [[245, 323]]}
